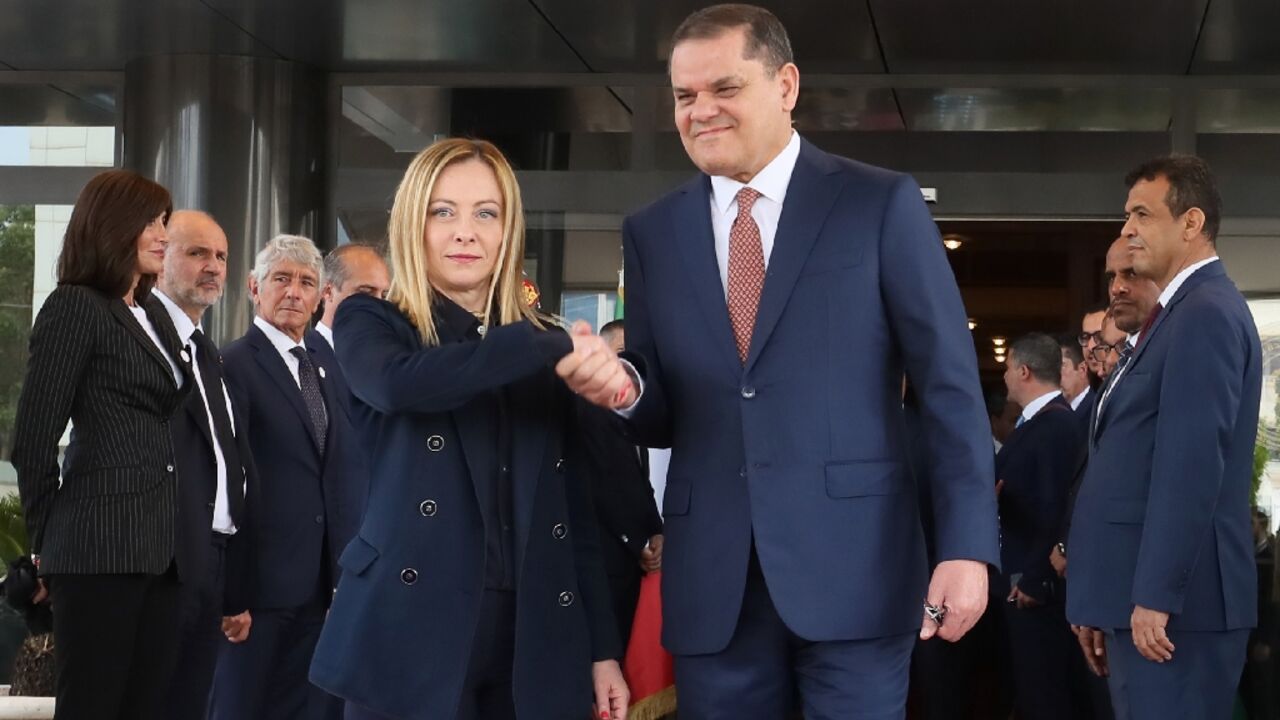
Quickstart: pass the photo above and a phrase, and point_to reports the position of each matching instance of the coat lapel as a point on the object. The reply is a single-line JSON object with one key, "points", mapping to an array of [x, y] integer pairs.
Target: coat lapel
{"points": [[691, 228], [810, 196], [126, 318], [270, 361], [528, 446]]}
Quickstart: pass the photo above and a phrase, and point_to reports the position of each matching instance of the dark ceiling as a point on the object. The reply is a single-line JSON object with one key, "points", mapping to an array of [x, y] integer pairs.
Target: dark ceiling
{"points": [[871, 36]]}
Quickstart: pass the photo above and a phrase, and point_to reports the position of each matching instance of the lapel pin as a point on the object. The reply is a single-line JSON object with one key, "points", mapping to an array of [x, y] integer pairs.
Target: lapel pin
{"points": [[321, 372], [185, 357]]}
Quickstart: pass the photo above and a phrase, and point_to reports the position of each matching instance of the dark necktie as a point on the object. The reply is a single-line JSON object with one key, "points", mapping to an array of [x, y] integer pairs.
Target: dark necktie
{"points": [[1151, 320], [309, 382], [210, 365], [746, 271]]}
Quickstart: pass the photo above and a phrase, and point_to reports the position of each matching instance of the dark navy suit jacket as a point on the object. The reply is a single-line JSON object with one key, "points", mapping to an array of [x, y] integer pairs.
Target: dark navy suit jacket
{"points": [[1162, 518], [404, 617], [803, 450], [1037, 464], [309, 505]]}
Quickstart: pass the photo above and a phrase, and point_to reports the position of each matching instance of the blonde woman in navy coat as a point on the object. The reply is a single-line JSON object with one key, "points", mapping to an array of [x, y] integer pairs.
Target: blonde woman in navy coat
{"points": [[474, 589]]}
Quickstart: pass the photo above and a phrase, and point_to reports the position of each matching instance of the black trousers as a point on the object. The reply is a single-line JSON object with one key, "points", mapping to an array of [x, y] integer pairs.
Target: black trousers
{"points": [[115, 640], [486, 693], [201, 637]]}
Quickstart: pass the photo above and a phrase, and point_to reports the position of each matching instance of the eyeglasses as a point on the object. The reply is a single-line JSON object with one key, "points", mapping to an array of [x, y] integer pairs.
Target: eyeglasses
{"points": [[1085, 337], [1100, 351]]}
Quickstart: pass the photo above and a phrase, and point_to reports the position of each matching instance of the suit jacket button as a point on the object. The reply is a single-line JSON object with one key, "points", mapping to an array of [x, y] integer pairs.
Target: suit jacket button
{"points": [[169, 468], [427, 508], [625, 538], [408, 576], [560, 465], [748, 392], [566, 599], [559, 532], [319, 519], [435, 443]]}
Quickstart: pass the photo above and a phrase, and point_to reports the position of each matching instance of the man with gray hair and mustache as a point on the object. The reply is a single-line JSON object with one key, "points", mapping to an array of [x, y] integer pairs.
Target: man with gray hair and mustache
{"points": [[283, 377]]}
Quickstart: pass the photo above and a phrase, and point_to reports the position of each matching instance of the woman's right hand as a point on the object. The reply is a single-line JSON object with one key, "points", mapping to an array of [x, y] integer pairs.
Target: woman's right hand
{"points": [[41, 594], [593, 371]]}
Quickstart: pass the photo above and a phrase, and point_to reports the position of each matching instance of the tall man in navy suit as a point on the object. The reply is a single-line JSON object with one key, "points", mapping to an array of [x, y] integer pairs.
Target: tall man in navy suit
{"points": [[1034, 471], [1161, 545], [773, 304], [285, 380]]}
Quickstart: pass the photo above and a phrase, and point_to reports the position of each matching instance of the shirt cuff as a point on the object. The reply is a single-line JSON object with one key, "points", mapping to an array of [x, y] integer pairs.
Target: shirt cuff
{"points": [[629, 410]]}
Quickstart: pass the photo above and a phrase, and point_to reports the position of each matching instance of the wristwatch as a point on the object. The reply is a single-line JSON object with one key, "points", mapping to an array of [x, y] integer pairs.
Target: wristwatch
{"points": [[1062, 549]]}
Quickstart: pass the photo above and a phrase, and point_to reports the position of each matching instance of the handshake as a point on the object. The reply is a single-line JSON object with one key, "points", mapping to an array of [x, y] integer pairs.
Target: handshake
{"points": [[594, 371]]}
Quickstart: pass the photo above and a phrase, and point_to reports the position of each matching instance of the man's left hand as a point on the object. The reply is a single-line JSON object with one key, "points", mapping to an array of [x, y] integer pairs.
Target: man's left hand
{"points": [[236, 627], [1149, 635], [960, 586], [651, 555], [1022, 600]]}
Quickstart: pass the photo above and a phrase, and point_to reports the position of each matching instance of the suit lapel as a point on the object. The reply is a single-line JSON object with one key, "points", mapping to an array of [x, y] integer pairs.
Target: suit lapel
{"points": [[810, 196], [126, 318], [691, 228], [270, 361]]}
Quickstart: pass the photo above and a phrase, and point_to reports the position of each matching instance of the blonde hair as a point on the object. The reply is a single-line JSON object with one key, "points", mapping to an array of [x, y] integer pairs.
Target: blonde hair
{"points": [[406, 231]]}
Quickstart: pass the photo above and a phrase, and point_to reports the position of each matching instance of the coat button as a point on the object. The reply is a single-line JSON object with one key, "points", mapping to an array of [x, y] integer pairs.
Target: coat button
{"points": [[560, 465], [559, 532], [435, 443], [427, 508], [319, 519], [408, 576], [748, 392], [566, 599], [169, 468], [625, 538]]}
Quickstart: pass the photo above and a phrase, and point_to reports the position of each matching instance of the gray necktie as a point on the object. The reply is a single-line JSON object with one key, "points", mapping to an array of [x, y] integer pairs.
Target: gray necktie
{"points": [[309, 381]]}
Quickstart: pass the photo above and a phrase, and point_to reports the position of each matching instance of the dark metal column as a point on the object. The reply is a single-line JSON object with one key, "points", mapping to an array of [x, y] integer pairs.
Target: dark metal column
{"points": [[242, 138]]}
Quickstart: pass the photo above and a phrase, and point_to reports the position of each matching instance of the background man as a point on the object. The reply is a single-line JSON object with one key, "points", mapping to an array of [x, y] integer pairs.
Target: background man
{"points": [[350, 269], [311, 492], [214, 464], [1161, 542], [1133, 297], [794, 556]]}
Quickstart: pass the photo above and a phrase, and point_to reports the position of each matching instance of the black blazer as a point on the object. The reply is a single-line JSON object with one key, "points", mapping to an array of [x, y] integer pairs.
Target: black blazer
{"points": [[405, 615], [197, 467], [308, 504], [92, 363], [1037, 463], [625, 507]]}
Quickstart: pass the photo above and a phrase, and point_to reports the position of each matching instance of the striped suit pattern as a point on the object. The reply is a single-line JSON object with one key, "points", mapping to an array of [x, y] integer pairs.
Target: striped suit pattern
{"points": [[93, 363]]}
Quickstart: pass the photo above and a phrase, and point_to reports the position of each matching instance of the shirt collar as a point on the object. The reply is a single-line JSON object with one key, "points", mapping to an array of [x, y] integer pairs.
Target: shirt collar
{"points": [[181, 321], [1075, 404], [325, 332], [1036, 405], [282, 343], [1180, 278], [771, 182]]}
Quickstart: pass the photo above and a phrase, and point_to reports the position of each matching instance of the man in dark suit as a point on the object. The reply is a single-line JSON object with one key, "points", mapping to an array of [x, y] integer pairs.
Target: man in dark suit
{"points": [[630, 526], [1034, 471], [1161, 543], [312, 479], [350, 269], [214, 465], [794, 556]]}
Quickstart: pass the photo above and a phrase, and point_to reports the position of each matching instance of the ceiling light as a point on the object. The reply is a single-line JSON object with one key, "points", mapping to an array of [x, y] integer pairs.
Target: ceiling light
{"points": [[997, 340], [952, 241], [972, 323]]}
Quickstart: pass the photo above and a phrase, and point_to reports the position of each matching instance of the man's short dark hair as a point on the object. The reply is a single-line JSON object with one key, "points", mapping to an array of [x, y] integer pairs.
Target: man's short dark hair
{"points": [[1069, 343], [1040, 354], [613, 326], [766, 38], [1191, 185], [1098, 307]]}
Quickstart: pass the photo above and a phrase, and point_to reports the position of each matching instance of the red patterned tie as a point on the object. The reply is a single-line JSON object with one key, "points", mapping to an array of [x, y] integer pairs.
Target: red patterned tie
{"points": [[746, 271]]}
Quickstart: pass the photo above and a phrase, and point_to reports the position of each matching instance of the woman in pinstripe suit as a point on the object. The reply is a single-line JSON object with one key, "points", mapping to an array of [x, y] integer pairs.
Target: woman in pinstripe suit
{"points": [[103, 535]]}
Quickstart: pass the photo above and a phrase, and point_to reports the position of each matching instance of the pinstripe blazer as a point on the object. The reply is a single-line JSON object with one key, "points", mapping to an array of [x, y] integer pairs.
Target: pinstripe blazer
{"points": [[114, 509]]}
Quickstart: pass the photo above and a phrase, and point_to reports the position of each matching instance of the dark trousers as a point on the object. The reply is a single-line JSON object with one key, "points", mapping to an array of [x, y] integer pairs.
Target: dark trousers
{"points": [[1199, 683], [1041, 648], [201, 637], [265, 677], [766, 665], [486, 693], [115, 639], [964, 680]]}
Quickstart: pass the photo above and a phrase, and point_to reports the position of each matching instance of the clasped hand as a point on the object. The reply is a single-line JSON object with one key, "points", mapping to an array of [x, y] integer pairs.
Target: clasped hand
{"points": [[593, 371]]}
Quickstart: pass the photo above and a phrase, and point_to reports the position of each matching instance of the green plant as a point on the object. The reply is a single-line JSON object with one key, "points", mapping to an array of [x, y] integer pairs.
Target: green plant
{"points": [[13, 529], [1260, 456]]}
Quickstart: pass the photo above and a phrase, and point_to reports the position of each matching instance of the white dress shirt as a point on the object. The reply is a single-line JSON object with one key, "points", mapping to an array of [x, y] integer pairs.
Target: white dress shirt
{"points": [[222, 522], [283, 344], [326, 332], [1038, 404], [140, 314], [771, 182], [1075, 404]]}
